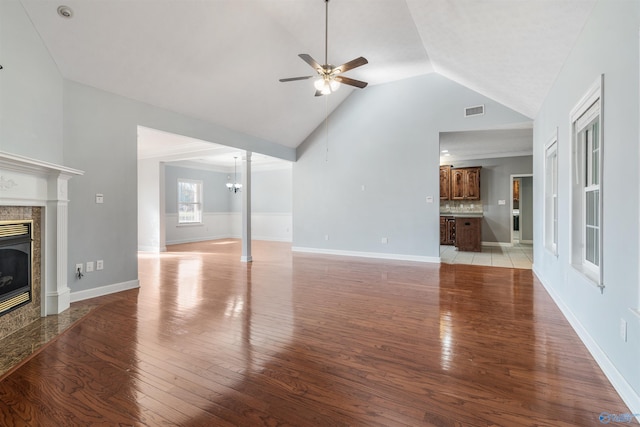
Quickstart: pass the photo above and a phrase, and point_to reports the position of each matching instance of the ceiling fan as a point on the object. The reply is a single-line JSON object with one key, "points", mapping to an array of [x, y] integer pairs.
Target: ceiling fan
{"points": [[329, 76]]}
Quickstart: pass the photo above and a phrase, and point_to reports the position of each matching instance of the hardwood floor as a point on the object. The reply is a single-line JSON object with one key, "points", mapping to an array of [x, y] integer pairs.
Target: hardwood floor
{"points": [[309, 340]]}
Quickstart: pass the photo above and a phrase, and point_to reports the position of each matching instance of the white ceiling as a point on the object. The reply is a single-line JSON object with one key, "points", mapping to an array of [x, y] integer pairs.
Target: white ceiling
{"points": [[180, 150], [485, 144], [220, 60]]}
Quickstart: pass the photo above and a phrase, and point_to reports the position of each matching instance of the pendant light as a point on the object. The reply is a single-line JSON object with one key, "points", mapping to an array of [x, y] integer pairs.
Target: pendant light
{"points": [[235, 186]]}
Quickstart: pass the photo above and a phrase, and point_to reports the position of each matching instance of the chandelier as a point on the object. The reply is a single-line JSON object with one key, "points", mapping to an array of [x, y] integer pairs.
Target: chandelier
{"points": [[234, 186]]}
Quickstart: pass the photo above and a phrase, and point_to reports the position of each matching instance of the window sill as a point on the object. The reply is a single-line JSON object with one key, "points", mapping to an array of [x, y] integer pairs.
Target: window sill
{"points": [[591, 276], [191, 224]]}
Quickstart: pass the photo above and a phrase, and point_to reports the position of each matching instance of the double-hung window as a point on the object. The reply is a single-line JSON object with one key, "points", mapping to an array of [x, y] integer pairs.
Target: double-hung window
{"points": [[189, 201], [586, 198], [551, 196]]}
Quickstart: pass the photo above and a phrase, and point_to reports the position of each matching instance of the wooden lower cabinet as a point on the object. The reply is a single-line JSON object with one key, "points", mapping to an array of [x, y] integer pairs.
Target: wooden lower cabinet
{"points": [[447, 230], [468, 234]]}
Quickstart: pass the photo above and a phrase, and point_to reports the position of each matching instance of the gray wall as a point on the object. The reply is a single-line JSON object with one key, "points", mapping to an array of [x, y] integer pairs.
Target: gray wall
{"points": [[215, 196], [385, 138], [495, 184], [30, 90], [270, 190], [608, 45], [100, 133]]}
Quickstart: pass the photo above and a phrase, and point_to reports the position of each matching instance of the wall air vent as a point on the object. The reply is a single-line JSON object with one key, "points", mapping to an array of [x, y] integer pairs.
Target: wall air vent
{"points": [[478, 110]]}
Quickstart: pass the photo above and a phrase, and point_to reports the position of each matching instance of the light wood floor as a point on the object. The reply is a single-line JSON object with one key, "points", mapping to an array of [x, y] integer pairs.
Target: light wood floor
{"points": [[309, 340]]}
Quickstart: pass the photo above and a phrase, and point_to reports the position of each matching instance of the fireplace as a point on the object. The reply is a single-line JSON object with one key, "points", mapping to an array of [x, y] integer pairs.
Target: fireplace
{"points": [[34, 192], [15, 265]]}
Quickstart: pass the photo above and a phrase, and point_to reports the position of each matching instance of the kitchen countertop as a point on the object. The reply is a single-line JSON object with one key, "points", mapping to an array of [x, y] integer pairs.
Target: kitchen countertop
{"points": [[463, 214]]}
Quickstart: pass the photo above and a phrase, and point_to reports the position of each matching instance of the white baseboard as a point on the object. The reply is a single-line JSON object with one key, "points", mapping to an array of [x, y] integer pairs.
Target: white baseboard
{"points": [[199, 239], [526, 242], [378, 255], [498, 244], [152, 249], [619, 383], [104, 290]]}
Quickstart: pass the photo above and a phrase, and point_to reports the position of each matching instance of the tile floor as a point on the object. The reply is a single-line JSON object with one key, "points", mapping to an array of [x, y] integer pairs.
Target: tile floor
{"points": [[518, 256]]}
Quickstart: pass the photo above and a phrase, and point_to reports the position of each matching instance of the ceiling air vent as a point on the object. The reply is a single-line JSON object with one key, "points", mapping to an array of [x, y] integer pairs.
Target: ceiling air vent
{"points": [[478, 110]]}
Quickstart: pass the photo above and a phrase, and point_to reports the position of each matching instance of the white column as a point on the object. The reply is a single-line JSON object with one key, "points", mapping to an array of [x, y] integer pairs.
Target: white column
{"points": [[162, 214], [56, 296], [246, 209]]}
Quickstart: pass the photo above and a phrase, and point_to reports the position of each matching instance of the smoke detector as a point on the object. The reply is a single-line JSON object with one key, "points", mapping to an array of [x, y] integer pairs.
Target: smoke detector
{"points": [[65, 11]]}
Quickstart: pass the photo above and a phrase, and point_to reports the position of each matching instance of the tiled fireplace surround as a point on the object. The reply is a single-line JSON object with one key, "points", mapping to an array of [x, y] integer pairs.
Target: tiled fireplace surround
{"points": [[35, 190]]}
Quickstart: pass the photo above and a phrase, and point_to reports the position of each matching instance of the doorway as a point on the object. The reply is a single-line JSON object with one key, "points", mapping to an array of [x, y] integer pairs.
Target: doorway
{"points": [[521, 218]]}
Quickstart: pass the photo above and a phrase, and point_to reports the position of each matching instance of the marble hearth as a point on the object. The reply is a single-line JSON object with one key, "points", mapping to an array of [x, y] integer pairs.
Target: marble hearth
{"points": [[35, 190]]}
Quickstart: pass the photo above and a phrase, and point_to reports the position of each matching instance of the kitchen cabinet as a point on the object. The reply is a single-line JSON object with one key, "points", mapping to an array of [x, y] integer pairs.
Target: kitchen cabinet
{"points": [[469, 234], [445, 182], [447, 230], [465, 183], [516, 190]]}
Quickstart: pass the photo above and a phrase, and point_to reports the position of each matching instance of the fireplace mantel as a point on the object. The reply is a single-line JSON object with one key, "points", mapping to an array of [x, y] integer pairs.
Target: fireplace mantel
{"points": [[30, 182]]}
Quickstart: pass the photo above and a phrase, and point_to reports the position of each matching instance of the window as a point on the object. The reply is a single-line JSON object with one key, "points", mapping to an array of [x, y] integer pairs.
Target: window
{"points": [[586, 189], [189, 201], [551, 196]]}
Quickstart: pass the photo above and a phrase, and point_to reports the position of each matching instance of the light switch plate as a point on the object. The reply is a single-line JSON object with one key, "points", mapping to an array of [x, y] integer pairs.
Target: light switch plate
{"points": [[99, 198], [502, 202]]}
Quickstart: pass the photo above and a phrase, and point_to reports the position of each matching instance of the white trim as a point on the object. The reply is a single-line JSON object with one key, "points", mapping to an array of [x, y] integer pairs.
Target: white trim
{"points": [[378, 255], [586, 106], [551, 147], [201, 239], [511, 178], [498, 244], [104, 290], [527, 242], [617, 380]]}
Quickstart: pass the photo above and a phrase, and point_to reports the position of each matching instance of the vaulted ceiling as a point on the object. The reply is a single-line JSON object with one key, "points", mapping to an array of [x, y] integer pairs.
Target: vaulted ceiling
{"points": [[220, 60]]}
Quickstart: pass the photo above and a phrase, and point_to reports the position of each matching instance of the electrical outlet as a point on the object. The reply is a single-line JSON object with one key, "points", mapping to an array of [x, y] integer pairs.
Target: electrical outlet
{"points": [[326, 237], [99, 198], [385, 240], [78, 271], [623, 330], [89, 266], [100, 263]]}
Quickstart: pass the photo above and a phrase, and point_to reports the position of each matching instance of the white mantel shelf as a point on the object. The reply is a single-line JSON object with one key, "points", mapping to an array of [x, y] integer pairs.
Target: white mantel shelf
{"points": [[30, 182]]}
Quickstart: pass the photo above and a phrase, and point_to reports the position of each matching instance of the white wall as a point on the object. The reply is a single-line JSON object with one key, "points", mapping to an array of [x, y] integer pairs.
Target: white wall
{"points": [[608, 45], [385, 138]]}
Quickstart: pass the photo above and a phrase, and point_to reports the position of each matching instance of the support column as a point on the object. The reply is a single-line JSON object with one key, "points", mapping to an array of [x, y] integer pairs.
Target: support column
{"points": [[56, 293], [246, 209]]}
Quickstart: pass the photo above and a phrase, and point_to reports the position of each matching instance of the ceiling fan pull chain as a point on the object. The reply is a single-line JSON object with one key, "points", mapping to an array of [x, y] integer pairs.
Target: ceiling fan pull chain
{"points": [[326, 33]]}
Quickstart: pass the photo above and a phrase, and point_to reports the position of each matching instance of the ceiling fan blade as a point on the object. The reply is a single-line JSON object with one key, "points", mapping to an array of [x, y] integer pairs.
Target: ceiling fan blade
{"points": [[293, 79], [351, 82], [351, 65], [309, 60]]}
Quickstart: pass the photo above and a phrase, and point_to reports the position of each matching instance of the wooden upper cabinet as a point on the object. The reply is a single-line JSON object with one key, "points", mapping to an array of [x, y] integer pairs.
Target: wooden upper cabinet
{"points": [[457, 184], [465, 183], [516, 190], [445, 182]]}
